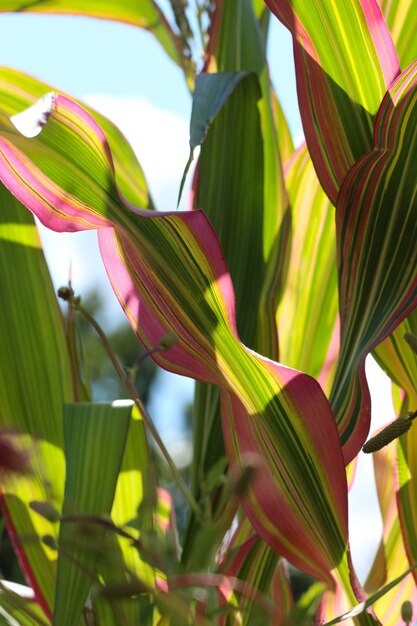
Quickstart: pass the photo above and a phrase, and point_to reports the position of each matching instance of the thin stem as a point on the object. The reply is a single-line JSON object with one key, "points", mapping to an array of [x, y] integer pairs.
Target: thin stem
{"points": [[131, 390]]}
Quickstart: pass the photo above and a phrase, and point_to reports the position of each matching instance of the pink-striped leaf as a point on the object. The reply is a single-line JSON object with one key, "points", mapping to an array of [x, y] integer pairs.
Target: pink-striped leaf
{"points": [[345, 61], [401, 18], [169, 275], [376, 224]]}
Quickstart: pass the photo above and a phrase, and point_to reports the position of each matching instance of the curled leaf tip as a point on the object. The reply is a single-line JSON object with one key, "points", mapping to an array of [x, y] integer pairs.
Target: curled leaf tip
{"points": [[31, 121]]}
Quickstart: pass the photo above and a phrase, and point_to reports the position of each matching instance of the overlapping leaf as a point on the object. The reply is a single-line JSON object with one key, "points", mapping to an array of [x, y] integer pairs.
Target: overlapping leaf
{"points": [[401, 18], [376, 218], [35, 380], [391, 559], [169, 275], [308, 309], [345, 61], [400, 363]]}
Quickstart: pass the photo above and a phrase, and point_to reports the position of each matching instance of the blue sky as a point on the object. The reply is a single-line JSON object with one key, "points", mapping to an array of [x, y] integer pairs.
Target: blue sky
{"points": [[124, 72]]}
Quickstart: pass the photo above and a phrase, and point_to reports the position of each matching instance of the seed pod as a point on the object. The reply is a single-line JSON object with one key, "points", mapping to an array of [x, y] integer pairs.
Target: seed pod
{"points": [[388, 434], [407, 612]]}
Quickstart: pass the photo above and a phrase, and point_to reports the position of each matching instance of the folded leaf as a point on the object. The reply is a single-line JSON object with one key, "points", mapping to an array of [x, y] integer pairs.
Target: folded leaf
{"points": [[341, 79], [169, 275], [376, 219]]}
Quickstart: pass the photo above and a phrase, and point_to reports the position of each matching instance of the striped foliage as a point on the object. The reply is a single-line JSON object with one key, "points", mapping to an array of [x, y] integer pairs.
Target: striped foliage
{"points": [[307, 312], [169, 275], [242, 192], [94, 443], [345, 61], [35, 380], [401, 18], [400, 363], [19, 91], [251, 559], [376, 218], [391, 559], [245, 197]]}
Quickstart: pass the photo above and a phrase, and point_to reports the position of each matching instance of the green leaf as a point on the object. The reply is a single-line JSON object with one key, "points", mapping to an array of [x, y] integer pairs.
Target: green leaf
{"points": [[18, 606], [35, 380], [95, 438]]}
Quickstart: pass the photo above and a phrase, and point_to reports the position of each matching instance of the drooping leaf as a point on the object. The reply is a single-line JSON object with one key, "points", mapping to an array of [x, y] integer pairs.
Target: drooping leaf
{"points": [[341, 79], [169, 275], [146, 14], [95, 438], [18, 91], [375, 215]]}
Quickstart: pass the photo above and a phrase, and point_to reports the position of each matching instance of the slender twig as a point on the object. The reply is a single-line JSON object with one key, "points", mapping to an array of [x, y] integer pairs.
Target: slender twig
{"points": [[132, 392]]}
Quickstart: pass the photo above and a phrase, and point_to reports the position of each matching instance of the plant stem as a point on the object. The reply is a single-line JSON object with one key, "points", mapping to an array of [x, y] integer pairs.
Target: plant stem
{"points": [[131, 390]]}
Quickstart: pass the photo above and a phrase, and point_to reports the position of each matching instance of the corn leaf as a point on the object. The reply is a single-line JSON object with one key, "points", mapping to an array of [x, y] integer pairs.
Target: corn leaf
{"points": [[243, 197], [375, 216], [307, 312], [400, 363], [18, 91], [169, 275], [391, 559], [95, 437], [341, 79], [18, 606], [401, 18], [35, 380]]}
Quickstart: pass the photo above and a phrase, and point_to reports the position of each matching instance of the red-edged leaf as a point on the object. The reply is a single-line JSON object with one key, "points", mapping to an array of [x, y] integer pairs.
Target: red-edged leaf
{"points": [[345, 61], [169, 275], [376, 224]]}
